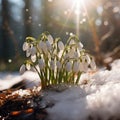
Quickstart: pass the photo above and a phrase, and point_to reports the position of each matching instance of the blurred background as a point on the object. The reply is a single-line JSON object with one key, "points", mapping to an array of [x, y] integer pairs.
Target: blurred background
{"points": [[95, 22]]}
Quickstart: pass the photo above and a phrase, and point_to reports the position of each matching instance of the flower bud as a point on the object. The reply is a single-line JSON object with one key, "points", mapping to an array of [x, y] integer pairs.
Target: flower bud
{"points": [[41, 63], [43, 46], [22, 69], [33, 58], [33, 51], [52, 64], [68, 66], [88, 59], [92, 64], [76, 67], [59, 65], [80, 46], [83, 66], [50, 39], [48, 45], [60, 45], [28, 52], [25, 46]]}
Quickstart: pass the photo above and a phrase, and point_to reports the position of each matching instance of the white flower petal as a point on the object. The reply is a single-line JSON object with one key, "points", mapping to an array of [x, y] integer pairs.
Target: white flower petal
{"points": [[60, 53], [83, 67], [92, 64], [52, 64], [60, 45], [88, 59], [48, 45], [41, 63], [43, 47], [68, 66], [22, 69], [50, 39], [28, 52], [33, 51], [80, 46], [59, 65], [25, 46], [76, 67], [33, 58]]}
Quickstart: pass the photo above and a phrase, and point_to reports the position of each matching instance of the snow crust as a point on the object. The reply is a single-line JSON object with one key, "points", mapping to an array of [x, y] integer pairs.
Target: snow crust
{"points": [[99, 99]]}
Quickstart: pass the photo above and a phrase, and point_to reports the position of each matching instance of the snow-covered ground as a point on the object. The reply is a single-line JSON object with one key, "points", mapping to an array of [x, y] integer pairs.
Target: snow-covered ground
{"points": [[98, 99]]}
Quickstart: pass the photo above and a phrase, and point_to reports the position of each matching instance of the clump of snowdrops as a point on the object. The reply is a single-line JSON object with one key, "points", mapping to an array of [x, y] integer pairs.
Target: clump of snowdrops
{"points": [[55, 62]]}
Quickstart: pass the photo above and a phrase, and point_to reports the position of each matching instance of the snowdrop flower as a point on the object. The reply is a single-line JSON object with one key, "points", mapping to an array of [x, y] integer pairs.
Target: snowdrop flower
{"points": [[60, 53], [41, 63], [43, 46], [59, 65], [68, 66], [80, 46], [60, 45], [92, 64], [83, 66], [28, 66], [52, 64], [48, 45], [50, 39], [33, 51], [22, 69], [25, 46], [33, 58], [87, 57], [76, 67], [28, 52]]}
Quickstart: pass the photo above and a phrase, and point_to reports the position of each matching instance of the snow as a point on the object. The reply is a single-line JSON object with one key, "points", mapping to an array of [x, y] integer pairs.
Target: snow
{"points": [[97, 96]]}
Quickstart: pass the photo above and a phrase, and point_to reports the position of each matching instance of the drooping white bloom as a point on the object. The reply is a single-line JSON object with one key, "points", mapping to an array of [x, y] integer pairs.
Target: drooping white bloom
{"points": [[50, 39], [92, 64], [52, 64], [83, 66], [80, 46], [28, 66], [59, 65], [25, 46], [61, 45], [28, 52], [33, 58], [76, 66], [88, 59], [48, 45], [68, 66], [60, 53], [41, 63], [43, 46], [33, 50], [22, 69]]}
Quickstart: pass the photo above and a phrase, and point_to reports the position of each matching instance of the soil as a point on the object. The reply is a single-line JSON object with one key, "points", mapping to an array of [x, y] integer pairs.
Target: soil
{"points": [[14, 106]]}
